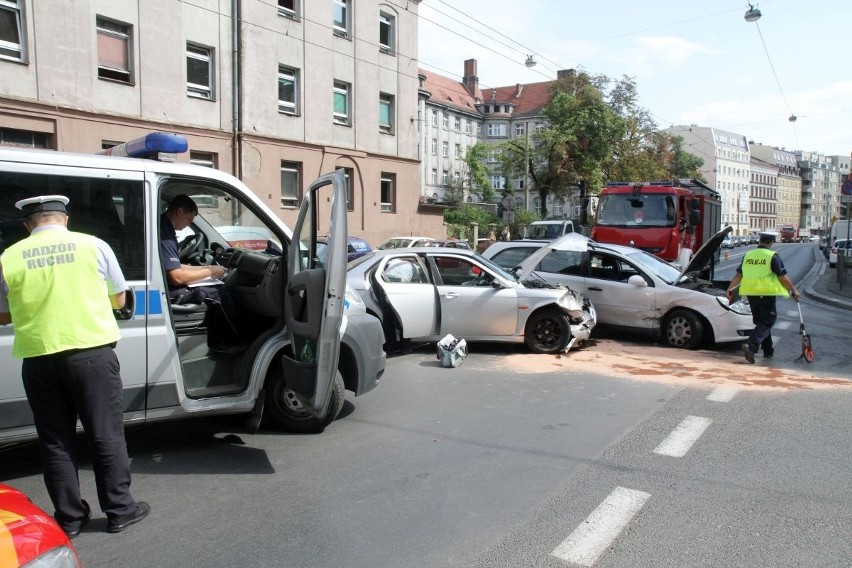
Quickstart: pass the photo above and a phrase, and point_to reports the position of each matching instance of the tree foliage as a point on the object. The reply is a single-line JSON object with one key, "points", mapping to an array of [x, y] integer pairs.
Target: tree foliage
{"points": [[473, 176]]}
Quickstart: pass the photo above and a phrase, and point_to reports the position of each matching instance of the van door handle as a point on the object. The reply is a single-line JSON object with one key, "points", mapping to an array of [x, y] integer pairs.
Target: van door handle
{"points": [[450, 295], [595, 289]]}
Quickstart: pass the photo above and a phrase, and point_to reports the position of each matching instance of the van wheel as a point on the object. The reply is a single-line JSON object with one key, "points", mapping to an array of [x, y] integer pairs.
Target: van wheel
{"points": [[283, 411], [683, 329], [547, 331]]}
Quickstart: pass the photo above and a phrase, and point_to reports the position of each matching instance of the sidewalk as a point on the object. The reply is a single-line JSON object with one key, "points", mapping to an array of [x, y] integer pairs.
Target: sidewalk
{"points": [[820, 284]]}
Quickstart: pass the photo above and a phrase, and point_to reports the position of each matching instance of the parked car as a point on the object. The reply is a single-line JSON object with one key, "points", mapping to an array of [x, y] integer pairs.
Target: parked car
{"points": [[355, 247], [407, 242], [29, 536], [454, 243], [840, 245], [425, 293], [636, 290], [728, 243]]}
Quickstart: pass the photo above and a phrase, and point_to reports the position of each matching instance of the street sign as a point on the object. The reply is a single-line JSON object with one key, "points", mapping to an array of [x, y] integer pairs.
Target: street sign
{"points": [[846, 199], [846, 188]]}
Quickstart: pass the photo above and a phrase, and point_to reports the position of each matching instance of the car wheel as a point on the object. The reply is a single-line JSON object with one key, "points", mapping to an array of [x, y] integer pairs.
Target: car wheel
{"points": [[547, 331], [683, 329], [283, 411]]}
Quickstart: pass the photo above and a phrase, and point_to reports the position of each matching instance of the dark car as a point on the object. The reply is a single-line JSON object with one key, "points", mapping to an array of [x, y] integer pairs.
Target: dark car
{"points": [[356, 247]]}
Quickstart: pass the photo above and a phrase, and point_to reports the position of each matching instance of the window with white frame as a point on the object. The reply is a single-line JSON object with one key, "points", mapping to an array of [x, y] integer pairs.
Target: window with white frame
{"points": [[386, 113], [288, 90], [457, 179], [434, 117], [445, 121], [445, 149], [289, 9], [458, 152], [492, 155], [114, 55], [199, 71], [341, 103], [205, 159], [468, 126], [557, 207], [520, 129], [388, 193], [478, 128], [497, 182], [12, 44], [519, 183], [434, 176], [340, 17], [445, 177], [458, 123], [434, 146], [291, 184], [496, 130], [386, 32]]}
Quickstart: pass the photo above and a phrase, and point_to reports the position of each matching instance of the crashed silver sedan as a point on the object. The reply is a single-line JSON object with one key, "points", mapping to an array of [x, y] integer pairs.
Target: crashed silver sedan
{"points": [[427, 293]]}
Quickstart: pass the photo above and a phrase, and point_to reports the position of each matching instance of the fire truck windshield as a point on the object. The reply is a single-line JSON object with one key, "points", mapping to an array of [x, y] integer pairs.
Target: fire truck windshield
{"points": [[628, 209]]}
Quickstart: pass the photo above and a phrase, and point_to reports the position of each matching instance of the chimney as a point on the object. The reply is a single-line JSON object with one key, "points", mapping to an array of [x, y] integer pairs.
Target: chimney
{"points": [[518, 90], [470, 80], [565, 73]]}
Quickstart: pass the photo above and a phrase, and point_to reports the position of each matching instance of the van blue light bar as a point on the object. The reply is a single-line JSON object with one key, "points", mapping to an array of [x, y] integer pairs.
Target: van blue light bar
{"points": [[156, 145]]}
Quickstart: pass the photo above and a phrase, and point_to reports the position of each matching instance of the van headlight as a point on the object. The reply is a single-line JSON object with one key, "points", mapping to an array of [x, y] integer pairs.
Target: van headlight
{"points": [[740, 307], [352, 303]]}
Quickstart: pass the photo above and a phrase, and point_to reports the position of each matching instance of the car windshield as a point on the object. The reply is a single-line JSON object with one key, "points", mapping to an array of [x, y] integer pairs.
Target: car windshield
{"points": [[651, 263], [646, 209], [499, 270]]}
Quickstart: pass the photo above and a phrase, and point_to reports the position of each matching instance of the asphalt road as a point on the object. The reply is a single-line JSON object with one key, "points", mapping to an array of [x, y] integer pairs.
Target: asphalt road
{"points": [[622, 454]]}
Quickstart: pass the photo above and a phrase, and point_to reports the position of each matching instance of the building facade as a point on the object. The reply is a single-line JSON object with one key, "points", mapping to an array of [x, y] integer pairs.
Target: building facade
{"points": [[726, 168], [276, 93], [820, 191], [789, 207], [763, 196]]}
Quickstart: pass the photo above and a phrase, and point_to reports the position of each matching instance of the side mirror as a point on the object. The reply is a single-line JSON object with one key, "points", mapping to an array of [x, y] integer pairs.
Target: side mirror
{"points": [[496, 284], [637, 281]]}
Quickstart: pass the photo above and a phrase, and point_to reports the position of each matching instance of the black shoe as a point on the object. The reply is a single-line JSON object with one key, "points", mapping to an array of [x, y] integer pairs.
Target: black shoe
{"points": [[748, 353], [768, 354], [142, 510], [86, 519]]}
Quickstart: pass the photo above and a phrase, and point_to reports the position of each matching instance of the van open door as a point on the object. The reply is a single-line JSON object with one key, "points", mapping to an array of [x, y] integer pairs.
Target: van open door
{"points": [[314, 294]]}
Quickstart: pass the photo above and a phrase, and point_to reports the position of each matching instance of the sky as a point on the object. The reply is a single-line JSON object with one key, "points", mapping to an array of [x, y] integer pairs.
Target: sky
{"points": [[696, 62]]}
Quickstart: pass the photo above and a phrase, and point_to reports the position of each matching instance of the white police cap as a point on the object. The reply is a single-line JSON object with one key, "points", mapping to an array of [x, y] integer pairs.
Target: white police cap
{"points": [[42, 204], [768, 236]]}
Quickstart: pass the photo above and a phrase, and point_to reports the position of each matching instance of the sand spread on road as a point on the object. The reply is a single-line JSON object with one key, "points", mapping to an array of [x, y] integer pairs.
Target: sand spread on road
{"points": [[675, 366]]}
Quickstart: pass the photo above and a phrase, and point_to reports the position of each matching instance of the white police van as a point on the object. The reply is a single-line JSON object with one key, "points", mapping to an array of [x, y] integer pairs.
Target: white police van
{"points": [[307, 338]]}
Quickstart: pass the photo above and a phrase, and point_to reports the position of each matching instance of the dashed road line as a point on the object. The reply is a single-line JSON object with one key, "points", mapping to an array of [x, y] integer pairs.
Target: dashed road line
{"points": [[601, 527], [682, 438], [723, 394], [783, 325]]}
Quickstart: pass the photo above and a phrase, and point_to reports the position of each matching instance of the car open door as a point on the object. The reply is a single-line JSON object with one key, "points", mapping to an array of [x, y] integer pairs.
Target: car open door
{"points": [[314, 294]]}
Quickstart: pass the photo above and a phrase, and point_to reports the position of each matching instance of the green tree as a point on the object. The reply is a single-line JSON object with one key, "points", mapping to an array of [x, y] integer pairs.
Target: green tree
{"points": [[474, 176]]}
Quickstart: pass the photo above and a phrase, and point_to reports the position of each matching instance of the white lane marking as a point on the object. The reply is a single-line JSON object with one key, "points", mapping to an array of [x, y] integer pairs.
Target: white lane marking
{"points": [[682, 438], [792, 314], [722, 394], [783, 324], [601, 527]]}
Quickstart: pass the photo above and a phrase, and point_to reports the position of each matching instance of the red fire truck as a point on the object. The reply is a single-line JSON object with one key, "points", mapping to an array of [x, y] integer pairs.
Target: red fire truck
{"points": [[670, 219]]}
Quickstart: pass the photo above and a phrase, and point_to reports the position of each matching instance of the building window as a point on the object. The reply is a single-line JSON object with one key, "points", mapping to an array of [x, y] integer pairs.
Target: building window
{"points": [[469, 126], [11, 30], [388, 193], [519, 183], [445, 149], [458, 124], [496, 129], [445, 177], [22, 138], [457, 179], [291, 184], [497, 182], [386, 113], [434, 176], [288, 9], [288, 90], [434, 146], [113, 50], [520, 129], [445, 121], [340, 17], [478, 128], [386, 27], [458, 152], [206, 159], [341, 103], [557, 207], [199, 71], [350, 191], [434, 117], [107, 144]]}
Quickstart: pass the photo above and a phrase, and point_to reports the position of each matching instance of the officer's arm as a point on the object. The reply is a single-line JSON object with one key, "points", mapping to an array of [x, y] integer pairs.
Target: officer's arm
{"points": [[117, 300], [788, 284], [729, 293]]}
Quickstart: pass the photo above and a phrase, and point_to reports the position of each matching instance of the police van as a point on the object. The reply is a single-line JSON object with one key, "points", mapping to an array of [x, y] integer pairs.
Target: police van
{"points": [[304, 337]]}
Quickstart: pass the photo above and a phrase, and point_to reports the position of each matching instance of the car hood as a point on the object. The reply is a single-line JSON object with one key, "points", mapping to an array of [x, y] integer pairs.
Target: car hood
{"points": [[702, 257], [570, 242]]}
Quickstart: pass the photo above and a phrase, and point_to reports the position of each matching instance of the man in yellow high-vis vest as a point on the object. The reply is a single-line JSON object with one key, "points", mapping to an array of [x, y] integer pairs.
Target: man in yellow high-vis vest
{"points": [[59, 288], [762, 278]]}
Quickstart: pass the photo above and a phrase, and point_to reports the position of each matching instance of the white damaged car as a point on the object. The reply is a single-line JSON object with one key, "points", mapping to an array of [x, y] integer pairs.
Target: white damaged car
{"points": [[635, 290]]}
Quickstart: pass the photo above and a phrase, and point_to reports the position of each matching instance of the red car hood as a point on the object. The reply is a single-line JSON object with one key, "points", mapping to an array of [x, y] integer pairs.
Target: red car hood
{"points": [[26, 532]]}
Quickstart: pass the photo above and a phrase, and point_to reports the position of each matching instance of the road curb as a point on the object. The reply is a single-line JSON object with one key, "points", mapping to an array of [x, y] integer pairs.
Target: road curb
{"points": [[812, 276]]}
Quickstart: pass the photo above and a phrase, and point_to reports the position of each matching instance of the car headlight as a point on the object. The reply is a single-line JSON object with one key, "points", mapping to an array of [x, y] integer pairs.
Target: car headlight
{"points": [[59, 557], [352, 303], [739, 307]]}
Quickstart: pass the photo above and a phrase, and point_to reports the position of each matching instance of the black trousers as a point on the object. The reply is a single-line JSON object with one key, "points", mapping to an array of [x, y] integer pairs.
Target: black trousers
{"points": [[61, 387], [763, 314]]}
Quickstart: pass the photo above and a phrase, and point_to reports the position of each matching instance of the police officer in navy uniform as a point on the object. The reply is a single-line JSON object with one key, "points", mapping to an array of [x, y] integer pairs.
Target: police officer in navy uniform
{"points": [[762, 278], [59, 288]]}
